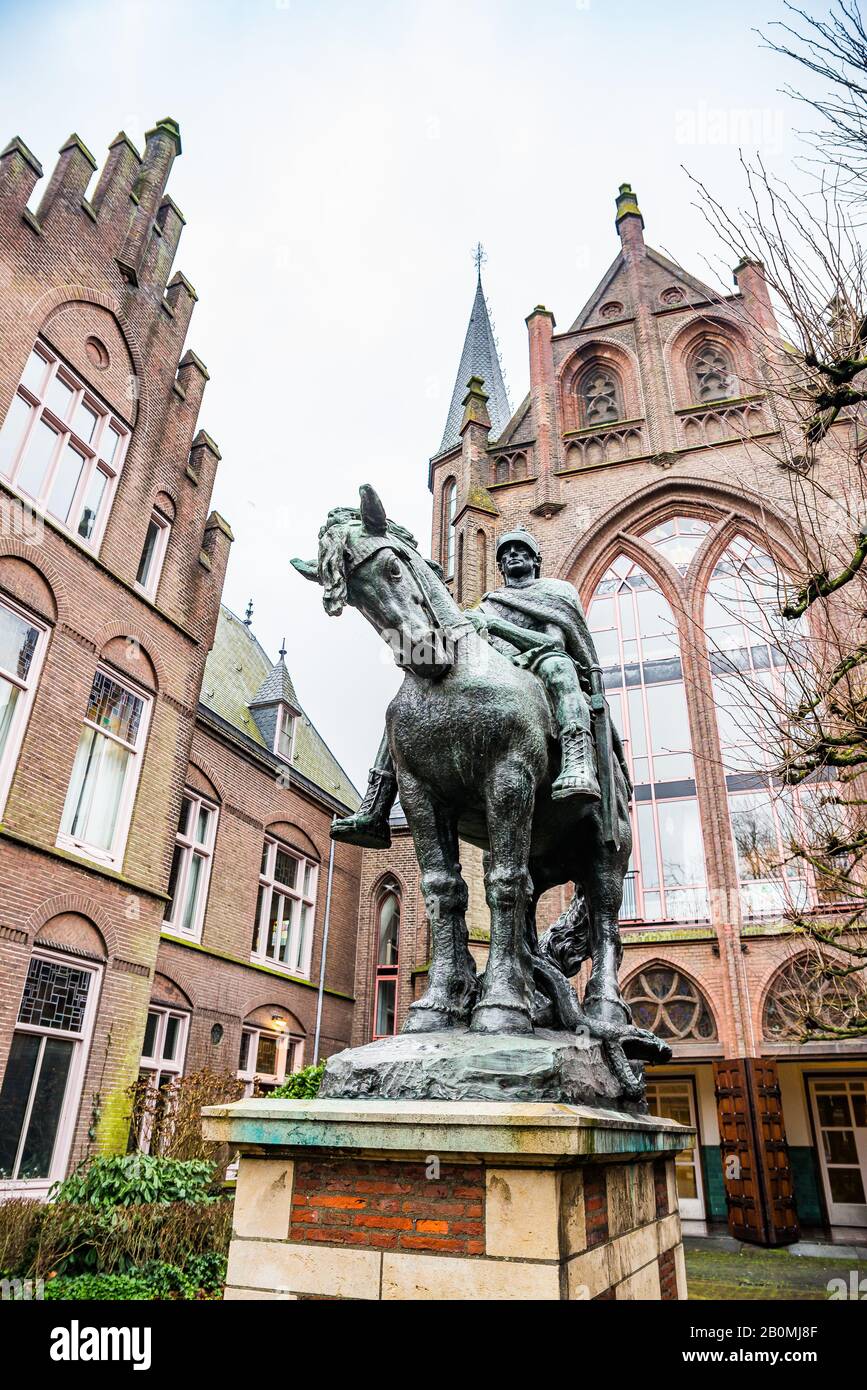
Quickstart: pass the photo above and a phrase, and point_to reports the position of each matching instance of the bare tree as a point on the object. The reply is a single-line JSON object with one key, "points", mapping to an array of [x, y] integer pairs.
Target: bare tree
{"points": [[805, 729]]}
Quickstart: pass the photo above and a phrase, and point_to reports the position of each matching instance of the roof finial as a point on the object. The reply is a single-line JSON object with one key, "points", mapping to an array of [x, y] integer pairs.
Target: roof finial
{"points": [[282, 652], [480, 255], [248, 616]]}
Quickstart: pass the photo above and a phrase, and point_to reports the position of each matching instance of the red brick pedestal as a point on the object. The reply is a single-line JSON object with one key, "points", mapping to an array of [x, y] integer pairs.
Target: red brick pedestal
{"points": [[432, 1200]]}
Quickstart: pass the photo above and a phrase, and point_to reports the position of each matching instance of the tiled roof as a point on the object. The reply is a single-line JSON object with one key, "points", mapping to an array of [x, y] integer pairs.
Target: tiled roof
{"points": [[236, 671], [479, 358]]}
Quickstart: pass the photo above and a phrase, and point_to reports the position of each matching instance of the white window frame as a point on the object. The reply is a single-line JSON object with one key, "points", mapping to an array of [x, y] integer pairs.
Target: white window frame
{"points": [[191, 847], [156, 1065], [151, 582], [40, 1187], [93, 452], [24, 704], [287, 714], [113, 857], [299, 951], [290, 1057]]}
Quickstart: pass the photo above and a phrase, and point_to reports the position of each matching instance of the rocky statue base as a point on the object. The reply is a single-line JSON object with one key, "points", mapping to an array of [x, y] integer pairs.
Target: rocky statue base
{"points": [[448, 1200], [460, 1065]]}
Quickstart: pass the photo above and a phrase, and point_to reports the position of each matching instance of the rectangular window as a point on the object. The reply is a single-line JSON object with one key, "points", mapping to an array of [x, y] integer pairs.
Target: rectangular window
{"points": [[267, 1058], [44, 1073], [285, 733], [62, 447], [162, 1062], [153, 554], [191, 867], [283, 931], [22, 647], [105, 773]]}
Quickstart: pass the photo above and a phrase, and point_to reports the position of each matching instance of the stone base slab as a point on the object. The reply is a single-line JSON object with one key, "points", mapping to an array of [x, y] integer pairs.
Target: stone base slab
{"points": [[459, 1065], [386, 1201]]}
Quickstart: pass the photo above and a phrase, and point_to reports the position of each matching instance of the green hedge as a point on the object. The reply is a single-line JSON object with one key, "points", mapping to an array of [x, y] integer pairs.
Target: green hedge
{"points": [[203, 1277]]}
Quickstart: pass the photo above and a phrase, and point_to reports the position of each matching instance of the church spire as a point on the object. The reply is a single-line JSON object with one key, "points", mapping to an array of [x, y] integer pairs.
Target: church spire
{"points": [[478, 359]]}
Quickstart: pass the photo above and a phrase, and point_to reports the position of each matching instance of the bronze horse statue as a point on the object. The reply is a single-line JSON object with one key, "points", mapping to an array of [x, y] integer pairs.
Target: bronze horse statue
{"points": [[475, 750]]}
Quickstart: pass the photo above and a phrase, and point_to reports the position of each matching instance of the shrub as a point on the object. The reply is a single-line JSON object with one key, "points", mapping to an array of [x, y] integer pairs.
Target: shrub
{"points": [[99, 1286], [20, 1223], [134, 1179], [38, 1239], [203, 1276], [171, 1116], [301, 1085]]}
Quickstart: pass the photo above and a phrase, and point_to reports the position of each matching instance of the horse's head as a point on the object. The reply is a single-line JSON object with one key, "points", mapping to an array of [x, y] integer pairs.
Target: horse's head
{"points": [[373, 564]]}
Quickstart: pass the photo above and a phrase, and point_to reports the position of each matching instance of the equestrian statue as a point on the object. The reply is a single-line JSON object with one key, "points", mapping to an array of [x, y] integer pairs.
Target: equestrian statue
{"points": [[499, 735]]}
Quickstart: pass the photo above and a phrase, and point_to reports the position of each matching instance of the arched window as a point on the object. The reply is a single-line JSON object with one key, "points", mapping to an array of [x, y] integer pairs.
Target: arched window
{"points": [[805, 998], [711, 372], [45, 1069], [600, 396], [670, 1005], [481, 562], [678, 539], [387, 959], [62, 446], [450, 502], [639, 650], [749, 649]]}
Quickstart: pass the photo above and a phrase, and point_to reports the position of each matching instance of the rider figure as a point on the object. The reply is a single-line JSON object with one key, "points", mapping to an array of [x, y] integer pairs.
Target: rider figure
{"points": [[550, 610]]}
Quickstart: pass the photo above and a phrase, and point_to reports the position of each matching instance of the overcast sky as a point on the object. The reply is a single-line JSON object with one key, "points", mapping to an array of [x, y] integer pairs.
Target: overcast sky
{"points": [[340, 161]]}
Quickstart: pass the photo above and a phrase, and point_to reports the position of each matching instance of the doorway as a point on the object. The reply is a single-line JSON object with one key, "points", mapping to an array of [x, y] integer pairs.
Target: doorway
{"points": [[839, 1108], [675, 1100]]}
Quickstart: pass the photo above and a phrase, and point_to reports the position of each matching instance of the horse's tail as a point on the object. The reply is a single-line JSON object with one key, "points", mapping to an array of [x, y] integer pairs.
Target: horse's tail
{"points": [[566, 943]]}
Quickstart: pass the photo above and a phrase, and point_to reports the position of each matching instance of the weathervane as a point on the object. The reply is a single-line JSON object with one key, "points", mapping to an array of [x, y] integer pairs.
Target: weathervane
{"points": [[248, 616], [283, 650], [480, 255]]}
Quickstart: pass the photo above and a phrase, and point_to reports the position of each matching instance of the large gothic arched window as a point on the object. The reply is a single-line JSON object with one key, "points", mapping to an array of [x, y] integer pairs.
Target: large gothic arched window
{"points": [[669, 1004], [600, 396], [639, 650], [751, 648], [804, 998]]}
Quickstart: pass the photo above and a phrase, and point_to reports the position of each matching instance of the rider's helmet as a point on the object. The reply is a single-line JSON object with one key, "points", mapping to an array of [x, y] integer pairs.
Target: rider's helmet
{"points": [[521, 536]]}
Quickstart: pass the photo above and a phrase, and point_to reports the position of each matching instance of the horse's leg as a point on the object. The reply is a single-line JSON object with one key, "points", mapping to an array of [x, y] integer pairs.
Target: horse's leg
{"points": [[452, 975], [506, 994], [602, 876]]}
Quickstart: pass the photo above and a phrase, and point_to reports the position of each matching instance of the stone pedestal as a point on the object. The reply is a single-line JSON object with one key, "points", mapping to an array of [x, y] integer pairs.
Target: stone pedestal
{"points": [[443, 1200]]}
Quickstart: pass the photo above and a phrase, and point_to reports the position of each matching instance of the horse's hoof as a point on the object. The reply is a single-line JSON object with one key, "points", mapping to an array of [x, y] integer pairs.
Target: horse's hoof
{"points": [[500, 1018], [423, 1020]]}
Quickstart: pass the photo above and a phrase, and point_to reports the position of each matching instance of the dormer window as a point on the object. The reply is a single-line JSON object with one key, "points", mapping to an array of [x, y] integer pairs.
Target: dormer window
{"points": [[285, 738], [61, 447]]}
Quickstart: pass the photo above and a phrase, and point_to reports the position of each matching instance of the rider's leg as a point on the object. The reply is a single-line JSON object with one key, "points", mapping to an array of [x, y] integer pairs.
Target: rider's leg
{"points": [[369, 826], [577, 770]]}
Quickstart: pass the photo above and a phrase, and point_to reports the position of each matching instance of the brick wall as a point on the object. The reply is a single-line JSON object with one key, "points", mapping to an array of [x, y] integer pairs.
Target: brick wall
{"points": [[389, 1206]]}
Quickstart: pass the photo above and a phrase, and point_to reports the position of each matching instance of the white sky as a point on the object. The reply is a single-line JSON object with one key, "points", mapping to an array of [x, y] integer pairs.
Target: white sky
{"points": [[340, 161]]}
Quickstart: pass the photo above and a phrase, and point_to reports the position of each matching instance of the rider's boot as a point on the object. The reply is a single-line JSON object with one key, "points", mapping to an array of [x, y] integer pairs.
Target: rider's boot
{"points": [[577, 772], [369, 826]]}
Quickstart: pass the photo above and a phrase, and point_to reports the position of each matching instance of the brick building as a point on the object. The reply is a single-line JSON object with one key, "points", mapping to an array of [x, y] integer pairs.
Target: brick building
{"points": [[637, 460], [164, 801]]}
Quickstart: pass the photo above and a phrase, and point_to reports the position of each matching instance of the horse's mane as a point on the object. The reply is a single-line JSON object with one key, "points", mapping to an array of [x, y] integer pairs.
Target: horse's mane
{"points": [[341, 527]]}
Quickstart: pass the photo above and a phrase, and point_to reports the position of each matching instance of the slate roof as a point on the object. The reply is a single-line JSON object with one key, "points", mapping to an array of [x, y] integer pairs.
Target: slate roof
{"points": [[479, 358], [276, 686], [236, 672]]}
